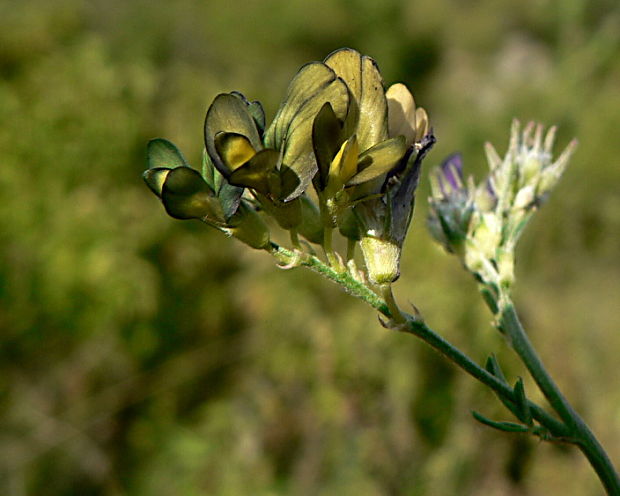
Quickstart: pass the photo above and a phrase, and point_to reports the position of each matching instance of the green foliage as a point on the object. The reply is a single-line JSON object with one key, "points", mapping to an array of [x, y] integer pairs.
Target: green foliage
{"points": [[146, 356]]}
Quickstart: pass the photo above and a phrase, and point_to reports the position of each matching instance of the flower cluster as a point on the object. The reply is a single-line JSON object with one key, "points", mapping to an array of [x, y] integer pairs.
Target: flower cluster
{"points": [[341, 153], [482, 223]]}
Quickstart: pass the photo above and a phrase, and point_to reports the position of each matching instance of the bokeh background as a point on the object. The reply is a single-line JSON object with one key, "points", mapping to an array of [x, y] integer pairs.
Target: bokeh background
{"points": [[145, 356]]}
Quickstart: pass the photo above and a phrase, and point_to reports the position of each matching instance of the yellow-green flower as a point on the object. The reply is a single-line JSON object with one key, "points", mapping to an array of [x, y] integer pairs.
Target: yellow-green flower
{"points": [[353, 153], [186, 195], [369, 161], [276, 166]]}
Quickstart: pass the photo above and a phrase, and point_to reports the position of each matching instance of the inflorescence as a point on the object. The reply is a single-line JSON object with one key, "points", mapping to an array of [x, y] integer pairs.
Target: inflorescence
{"points": [[341, 153]]}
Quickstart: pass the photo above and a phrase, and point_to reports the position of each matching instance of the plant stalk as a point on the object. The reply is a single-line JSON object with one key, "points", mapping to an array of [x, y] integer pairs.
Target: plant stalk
{"points": [[417, 327], [580, 432]]}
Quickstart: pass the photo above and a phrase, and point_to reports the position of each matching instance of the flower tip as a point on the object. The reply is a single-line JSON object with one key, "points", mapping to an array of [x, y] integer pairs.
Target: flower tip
{"points": [[568, 151], [550, 138]]}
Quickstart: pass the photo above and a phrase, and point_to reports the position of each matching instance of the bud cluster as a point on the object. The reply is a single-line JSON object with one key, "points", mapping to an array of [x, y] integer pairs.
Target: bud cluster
{"points": [[341, 153], [481, 223]]}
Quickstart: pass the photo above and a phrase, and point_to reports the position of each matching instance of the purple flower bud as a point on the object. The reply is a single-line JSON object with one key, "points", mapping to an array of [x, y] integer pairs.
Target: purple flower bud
{"points": [[451, 205], [451, 173]]}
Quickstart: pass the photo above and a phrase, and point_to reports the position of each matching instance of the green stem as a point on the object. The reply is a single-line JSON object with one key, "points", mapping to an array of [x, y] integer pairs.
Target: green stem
{"points": [[343, 278], [328, 247], [295, 239], [418, 328], [388, 296], [351, 243], [579, 430]]}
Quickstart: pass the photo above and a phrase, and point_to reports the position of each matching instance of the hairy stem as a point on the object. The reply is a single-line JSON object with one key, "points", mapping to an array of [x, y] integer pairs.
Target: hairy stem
{"points": [[417, 327], [571, 429], [343, 278]]}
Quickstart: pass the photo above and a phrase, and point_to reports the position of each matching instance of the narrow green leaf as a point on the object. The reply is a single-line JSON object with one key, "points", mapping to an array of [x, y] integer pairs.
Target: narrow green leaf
{"points": [[523, 408], [491, 300], [163, 153], [492, 366], [502, 426]]}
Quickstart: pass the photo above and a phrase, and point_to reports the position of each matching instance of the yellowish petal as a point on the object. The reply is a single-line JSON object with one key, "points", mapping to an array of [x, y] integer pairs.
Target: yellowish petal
{"points": [[401, 112], [379, 160], [343, 167], [348, 166], [235, 149], [365, 83], [422, 124]]}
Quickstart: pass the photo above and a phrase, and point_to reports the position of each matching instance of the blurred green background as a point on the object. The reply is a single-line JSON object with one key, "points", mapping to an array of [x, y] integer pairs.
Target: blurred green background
{"points": [[146, 356]]}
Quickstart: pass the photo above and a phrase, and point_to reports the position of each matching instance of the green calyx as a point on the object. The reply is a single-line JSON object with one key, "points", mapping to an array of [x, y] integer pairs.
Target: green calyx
{"points": [[382, 258]]}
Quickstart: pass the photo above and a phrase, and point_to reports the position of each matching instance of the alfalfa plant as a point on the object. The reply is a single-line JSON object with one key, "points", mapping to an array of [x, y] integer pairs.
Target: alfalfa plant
{"points": [[343, 155]]}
